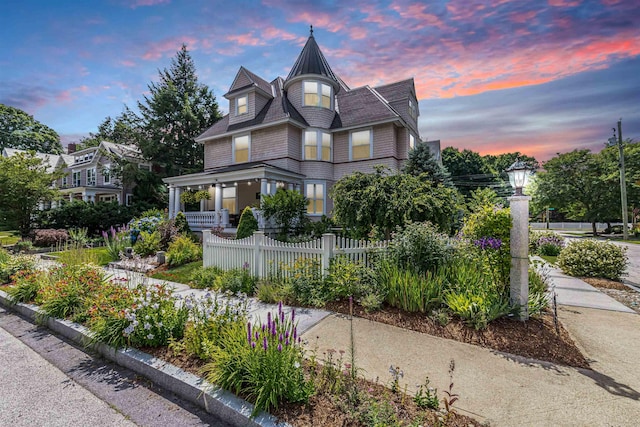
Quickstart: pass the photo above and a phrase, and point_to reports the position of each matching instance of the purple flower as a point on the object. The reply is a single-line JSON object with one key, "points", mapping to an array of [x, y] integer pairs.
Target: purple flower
{"points": [[286, 342], [245, 266], [293, 314], [257, 335], [269, 318], [488, 243], [253, 344], [295, 333], [249, 331], [279, 347], [264, 343], [280, 338]]}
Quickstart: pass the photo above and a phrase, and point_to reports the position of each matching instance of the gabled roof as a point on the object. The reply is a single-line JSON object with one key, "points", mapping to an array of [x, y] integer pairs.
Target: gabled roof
{"points": [[312, 61], [246, 79], [397, 90], [361, 106], [276, 109], [50, 160], [121, 150]]}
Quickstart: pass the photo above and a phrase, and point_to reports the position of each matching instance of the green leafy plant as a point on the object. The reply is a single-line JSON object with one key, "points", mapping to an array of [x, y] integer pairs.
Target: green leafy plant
{"points": [[156, 318], [591, 258], [147, 243], [23, 246], [115, 241], [271, 292], [411, 291], [182, 224], [236, 281], [426, 397], [168, 233], [288, 209], [248, 224], [14, 263], [420, 247], [26, 284], [79, 236], [305, 278], [262, 362], [182, 251], [205, 277]]}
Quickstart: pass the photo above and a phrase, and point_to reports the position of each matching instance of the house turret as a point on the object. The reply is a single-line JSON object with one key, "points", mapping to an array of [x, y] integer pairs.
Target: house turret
{"points": [[312, 86]]}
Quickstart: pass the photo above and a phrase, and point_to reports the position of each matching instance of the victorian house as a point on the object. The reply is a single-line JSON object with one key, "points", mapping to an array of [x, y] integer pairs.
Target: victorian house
{"points": [[303, 132]]}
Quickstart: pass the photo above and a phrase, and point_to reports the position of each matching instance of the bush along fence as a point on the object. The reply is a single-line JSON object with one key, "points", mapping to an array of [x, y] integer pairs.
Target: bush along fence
{"points": [[261, 254]]}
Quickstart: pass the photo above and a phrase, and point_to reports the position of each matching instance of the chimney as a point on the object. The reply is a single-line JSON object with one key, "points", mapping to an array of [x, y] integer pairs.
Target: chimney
{"points": [[71, 148]]}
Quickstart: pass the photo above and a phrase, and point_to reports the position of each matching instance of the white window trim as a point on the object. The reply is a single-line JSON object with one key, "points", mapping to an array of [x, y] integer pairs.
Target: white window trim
{"points": [[128, 198], [78, 182], [94, 181], [233, 148], [370, 129], [65, 180], [106, 174], [411, 135], [324, 195], [319, 133], [246, 104], [319, 93]]}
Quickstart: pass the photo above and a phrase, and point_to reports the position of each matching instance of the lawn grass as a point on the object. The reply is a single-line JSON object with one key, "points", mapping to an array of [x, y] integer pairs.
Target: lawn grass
{"points": [[550, 259], [180, 274], [99, 256], [9, 237]]}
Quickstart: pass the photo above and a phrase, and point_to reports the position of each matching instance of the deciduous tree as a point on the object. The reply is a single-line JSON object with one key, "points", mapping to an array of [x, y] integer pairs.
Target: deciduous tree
{"points": [[20, 130], [24, 183]]}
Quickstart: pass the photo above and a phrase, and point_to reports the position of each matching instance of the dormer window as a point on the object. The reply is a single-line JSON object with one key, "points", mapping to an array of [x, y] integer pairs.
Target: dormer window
{"points": [[242, 105], [317, 94]]}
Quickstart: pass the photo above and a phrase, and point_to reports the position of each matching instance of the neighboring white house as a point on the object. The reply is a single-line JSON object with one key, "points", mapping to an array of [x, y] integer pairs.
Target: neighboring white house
{"points": [[87, 173]]}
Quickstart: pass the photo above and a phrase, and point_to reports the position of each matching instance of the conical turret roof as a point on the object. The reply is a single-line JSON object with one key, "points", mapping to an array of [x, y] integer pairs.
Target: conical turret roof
{"points": [[312, 61]]}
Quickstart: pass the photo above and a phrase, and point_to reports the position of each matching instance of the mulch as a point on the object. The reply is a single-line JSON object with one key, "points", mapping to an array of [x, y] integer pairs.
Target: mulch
{"points": [[536, 338]]}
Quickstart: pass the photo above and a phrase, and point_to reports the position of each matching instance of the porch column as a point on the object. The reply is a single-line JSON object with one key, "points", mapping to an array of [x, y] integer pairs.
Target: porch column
{"points": [[274, 187], [172, 200], [71, 197], [203, 201], [264, 189], [218, 202], [119, 198], [177, 204]]}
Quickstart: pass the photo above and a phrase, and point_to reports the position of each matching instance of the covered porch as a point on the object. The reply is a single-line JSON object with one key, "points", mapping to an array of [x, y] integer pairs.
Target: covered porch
{"points": [[230, 190], [92, 194]]}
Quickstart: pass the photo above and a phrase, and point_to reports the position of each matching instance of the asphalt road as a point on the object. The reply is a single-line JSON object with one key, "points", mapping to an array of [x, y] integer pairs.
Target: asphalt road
{"points": [[633, 270], [48, 381]]}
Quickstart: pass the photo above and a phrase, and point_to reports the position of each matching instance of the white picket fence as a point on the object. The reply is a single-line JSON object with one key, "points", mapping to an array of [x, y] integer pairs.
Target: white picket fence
{"points": [[264, 256]]}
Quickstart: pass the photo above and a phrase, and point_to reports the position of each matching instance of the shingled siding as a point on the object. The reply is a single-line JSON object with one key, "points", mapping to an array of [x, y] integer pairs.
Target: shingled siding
{"points": [[364, 166], [384, 143], [269, 143], [285, 163], [402, 107], [217, 153], [294, 139], [254, 104], [402, 142], [316, 116], [317, 170]]}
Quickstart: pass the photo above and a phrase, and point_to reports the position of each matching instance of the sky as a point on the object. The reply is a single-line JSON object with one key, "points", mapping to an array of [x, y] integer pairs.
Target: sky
{"points": [[539, 77]]}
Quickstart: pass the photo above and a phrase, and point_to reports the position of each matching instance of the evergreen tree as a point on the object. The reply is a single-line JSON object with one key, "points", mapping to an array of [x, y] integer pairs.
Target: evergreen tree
{"points": [[247, 225], [124, 129], [177, 110], [20, 130], [421, 161]]}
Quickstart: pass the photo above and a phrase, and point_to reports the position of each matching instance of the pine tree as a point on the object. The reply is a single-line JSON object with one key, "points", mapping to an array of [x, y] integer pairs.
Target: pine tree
{"points": [[177, 110], [421, 161]]}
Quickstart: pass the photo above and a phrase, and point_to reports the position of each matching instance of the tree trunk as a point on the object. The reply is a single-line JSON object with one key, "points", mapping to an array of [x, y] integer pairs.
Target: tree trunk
{"points": [[593, 226]]}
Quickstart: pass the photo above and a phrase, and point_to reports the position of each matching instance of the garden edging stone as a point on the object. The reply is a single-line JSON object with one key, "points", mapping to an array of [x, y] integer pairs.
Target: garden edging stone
{"points": [[213, 399]]}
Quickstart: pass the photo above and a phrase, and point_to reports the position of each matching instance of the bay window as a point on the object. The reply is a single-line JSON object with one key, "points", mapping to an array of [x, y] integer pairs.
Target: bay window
{"points": [[317, 94]]}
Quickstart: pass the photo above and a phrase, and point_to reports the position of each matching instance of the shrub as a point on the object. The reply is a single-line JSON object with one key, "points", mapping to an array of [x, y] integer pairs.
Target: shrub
{"points": [[488, 221], [182, 251], [305, 278], [148, 222], [79, 236], [205, 277], [412, 291], [168, 233], [420, 247], [591, 258], [156, 318], [211, 319], [262, 362], [79, 214], [545, 243], [272, 292], [23, 246], [13, 264], [237, 280], [247, 225], [182, 224], [147, 243], [346, 278], [107, 312], [49, 237]]}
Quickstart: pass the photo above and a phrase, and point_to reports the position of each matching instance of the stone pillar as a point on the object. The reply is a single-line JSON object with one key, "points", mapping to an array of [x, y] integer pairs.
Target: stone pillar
{"points": [[172, 200], [519, 275], [274, 187], [177, 207]]}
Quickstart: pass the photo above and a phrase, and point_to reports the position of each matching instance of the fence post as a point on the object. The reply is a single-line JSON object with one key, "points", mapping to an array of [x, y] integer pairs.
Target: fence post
{"points": [[206, 249], [328, 245], [258, 239]]}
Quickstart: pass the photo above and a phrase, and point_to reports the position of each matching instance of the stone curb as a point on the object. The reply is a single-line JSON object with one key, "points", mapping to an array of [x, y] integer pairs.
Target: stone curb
{"points": [[188, 386]]}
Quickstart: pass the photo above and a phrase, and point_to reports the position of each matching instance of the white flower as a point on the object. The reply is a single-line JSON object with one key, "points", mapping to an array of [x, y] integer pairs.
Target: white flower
{"points": [[128, 330], [156, 306], [296, 365], [147, 326], [150, 336]]}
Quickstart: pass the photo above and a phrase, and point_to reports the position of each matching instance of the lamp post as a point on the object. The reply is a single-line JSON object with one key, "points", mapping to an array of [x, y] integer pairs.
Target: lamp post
{"points": [[519, 203], [623, 185]]}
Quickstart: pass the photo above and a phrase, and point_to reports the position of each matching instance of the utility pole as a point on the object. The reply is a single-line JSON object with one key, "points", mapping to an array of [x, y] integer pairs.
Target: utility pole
{"points": [[623, 184]]}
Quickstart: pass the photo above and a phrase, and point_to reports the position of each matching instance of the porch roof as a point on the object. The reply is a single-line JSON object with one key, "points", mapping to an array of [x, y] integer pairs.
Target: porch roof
{"points": [[240, 172]]}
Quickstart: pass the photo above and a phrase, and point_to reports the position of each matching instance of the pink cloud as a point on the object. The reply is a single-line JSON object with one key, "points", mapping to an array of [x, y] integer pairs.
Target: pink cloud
{"points": [[564, 3], [246, 39], [127, 63], [141, 3], [168, 47]]}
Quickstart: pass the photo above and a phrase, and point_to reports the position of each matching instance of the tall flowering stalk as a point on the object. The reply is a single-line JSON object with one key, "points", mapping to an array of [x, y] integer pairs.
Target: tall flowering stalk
{"points": [[497, 257]]}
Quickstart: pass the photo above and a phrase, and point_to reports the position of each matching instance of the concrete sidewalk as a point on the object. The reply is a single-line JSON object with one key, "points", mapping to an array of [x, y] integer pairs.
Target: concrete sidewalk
{"points": [[508, 390]]}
